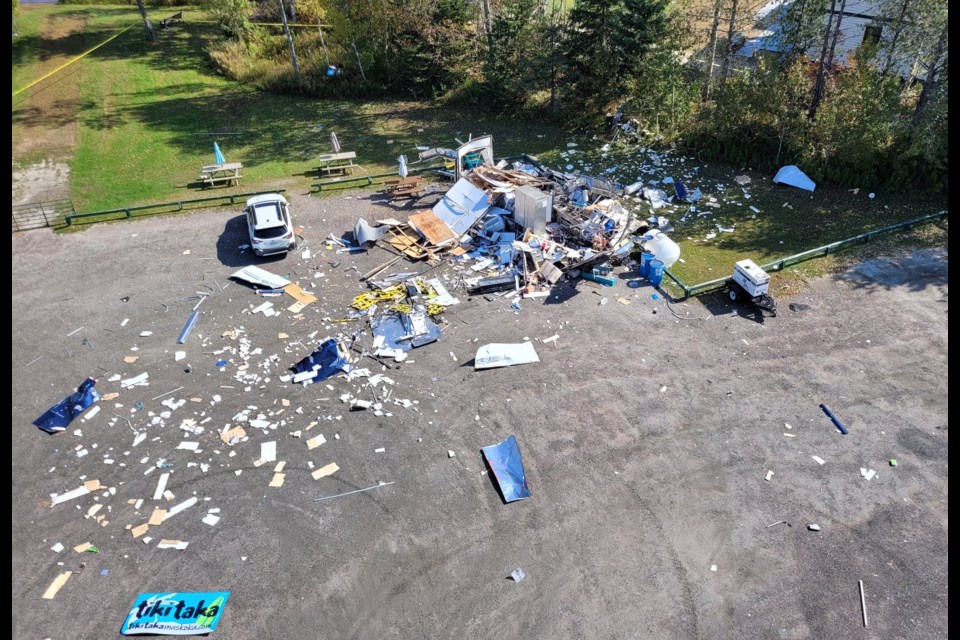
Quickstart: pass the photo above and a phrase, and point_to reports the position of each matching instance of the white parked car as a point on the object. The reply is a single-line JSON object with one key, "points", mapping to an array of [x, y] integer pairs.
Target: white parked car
{"points": [[268, 221]]}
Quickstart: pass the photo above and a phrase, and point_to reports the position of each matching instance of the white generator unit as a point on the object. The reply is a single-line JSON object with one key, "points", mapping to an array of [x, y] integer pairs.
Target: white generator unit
{"points": [[754, 280], [752, 283]]}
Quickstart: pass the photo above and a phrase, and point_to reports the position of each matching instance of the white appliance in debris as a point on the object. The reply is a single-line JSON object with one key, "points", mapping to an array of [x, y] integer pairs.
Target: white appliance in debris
{"points": [[533, 208]]}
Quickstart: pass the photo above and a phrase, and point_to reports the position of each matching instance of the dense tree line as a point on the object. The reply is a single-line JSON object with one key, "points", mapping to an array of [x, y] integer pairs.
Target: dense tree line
{"points": [[875, 117]]}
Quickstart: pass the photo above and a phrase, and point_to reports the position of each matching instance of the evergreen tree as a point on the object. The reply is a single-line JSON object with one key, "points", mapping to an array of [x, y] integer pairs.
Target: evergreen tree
{"points": [[605, 47]]}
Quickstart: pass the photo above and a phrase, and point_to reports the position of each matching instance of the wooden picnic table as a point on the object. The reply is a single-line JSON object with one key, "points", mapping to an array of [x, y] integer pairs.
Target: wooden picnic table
{"points": [[409, 187], [214, 173], [342, 161], [402, 184]]}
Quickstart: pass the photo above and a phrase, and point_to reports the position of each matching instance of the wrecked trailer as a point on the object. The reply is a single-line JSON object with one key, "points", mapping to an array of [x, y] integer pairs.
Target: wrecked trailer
{"points": [[517, 224], [586, 222]]}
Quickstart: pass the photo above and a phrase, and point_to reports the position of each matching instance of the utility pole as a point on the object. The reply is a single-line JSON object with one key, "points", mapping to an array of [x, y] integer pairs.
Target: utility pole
{"points": [[151, 35], [293, 52], [718, 4], [821, 68], [359, 64], [728, 50]]}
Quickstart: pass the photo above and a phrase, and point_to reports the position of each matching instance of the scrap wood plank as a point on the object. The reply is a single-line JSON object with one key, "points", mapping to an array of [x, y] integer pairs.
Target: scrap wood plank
{"points": [[403, 240], [56, 585], [436, 231], [326, 470], [294, 290]]}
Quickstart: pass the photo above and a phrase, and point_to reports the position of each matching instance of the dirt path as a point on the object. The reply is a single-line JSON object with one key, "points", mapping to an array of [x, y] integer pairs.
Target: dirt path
{"points": [[45, 123]]}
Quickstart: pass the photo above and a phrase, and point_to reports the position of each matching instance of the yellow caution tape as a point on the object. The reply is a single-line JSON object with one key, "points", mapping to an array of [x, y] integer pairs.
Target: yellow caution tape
{"points": [[70, 62]]}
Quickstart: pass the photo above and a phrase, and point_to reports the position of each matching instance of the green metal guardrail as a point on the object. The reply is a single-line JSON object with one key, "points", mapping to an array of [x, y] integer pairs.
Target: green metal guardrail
{"points": [[167, 206], [819, 252]]}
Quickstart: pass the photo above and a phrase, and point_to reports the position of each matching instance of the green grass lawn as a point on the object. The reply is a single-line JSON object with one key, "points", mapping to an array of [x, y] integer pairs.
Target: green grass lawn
{"points": [[145, 112]]}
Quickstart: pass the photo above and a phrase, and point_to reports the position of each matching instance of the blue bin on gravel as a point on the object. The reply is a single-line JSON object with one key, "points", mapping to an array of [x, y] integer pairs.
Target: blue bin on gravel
{"points": [[645, 259], [656, 272]]}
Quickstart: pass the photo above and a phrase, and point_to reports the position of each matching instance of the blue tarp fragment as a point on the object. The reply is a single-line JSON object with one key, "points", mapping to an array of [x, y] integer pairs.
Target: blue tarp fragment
{"points": [[61, 414], [793, 176], [684, 195], [504, 459], [327, 361]]}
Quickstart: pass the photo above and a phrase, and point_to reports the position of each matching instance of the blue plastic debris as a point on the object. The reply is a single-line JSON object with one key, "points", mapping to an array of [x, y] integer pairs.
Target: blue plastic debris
{"points": [[221, 363], [326, 361], [654, 296], [836, 421], [104, 572], [57, 417], [507, 465]]}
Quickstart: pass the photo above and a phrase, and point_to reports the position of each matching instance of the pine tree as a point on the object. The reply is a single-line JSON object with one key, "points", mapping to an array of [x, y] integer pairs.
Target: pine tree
{"points": [[605, 46]]}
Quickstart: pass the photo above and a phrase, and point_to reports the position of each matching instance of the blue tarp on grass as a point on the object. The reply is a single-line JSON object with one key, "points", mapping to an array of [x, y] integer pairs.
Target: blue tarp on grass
{"points": [[504, 459], [57, 417]]}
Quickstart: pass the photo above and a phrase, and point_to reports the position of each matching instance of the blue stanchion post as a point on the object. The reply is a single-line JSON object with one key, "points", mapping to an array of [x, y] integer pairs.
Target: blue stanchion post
{"points": [[830, 415]]}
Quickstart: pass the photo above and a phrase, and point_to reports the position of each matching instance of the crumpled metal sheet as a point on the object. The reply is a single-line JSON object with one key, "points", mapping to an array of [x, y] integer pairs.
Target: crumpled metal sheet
{"points": [[507, 465], [405, 331], [462, 206], [57, 417], [364, 232]]}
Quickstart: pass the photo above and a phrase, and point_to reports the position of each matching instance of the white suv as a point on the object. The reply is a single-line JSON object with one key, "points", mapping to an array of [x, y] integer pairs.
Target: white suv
{"points": [[268, 221]]}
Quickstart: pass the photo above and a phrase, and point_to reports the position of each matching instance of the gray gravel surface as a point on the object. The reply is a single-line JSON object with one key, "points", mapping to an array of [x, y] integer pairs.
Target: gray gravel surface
{"points": [[647, 431]]}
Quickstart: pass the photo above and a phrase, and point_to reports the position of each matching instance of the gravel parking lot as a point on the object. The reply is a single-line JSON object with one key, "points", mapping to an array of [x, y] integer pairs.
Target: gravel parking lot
{"points": [[647, 431]]}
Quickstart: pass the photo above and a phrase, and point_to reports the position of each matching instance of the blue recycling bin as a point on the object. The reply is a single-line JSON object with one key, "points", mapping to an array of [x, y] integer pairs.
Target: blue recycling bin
{"points": [[656, 272], [645, 259]]}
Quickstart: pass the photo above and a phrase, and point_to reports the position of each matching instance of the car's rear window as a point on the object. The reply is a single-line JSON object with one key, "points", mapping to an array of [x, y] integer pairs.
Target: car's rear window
{"points": [[272, 232]]}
